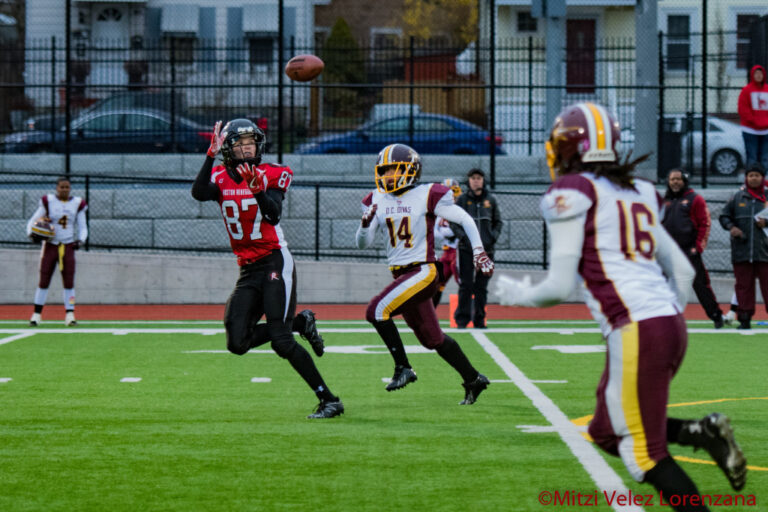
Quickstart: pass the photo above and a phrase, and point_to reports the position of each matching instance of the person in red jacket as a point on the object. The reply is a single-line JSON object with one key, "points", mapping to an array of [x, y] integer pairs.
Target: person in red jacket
{"points": [[687, 220], [753, 112]]}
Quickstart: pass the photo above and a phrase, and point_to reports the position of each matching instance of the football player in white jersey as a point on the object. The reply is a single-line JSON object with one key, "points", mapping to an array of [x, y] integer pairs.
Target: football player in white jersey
{"points": [[66, 214], [607, 237], [445, 237], [406, 212]]}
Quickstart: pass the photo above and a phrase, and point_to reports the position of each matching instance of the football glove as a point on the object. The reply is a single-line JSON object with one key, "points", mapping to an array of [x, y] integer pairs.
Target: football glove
{"points": [[255, 178], [368, 216], [216, 140], [76, 245], [511, 291], [482, 262]]}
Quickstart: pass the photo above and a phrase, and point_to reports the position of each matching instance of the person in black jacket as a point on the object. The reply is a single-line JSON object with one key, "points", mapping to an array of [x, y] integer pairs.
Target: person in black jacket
{"points": [[749, 243], [687, 220], [484, 209]]}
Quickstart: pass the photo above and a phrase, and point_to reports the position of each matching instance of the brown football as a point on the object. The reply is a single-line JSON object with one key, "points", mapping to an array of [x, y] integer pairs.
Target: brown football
{"points": [[303, 68]]}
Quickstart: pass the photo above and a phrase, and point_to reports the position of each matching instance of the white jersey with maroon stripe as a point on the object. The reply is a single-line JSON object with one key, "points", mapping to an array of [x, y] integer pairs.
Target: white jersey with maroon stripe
{"points": [[64, 216], [249, 235], [408, 221], [622, 279]]}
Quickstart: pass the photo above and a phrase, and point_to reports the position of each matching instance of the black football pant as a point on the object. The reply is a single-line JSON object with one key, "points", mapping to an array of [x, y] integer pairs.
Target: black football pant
{"points": [[703, 288], [471, 282], [267, 287]]}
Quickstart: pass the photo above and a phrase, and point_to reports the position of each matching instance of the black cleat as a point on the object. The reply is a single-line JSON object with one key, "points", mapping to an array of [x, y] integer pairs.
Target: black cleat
{"points": [[310, 333], [717, 438], [327, 409], [719, 322], [403, 375], [474, 388]]}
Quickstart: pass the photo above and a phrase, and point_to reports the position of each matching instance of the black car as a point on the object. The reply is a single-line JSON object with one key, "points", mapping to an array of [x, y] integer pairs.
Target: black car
{"points": [[128, 130]]}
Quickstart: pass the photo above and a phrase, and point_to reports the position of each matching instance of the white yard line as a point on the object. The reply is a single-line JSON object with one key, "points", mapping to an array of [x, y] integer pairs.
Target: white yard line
{"points": [[18, 336], [602, 474]]}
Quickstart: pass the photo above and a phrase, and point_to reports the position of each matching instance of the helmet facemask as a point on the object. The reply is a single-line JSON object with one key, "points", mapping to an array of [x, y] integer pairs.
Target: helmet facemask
{"points": [[405, 174]]}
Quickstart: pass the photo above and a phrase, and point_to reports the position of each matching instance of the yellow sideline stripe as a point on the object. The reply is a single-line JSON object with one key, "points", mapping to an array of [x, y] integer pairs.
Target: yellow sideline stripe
{"points": [[583, 421]]}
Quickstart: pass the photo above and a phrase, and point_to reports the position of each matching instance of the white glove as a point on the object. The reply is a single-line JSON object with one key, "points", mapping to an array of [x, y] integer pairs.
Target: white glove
{"points": [[512, 292], [482, 262]]}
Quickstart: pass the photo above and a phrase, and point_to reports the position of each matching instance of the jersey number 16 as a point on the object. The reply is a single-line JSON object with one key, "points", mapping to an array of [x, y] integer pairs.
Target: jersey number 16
{"points": [[635, 219]]}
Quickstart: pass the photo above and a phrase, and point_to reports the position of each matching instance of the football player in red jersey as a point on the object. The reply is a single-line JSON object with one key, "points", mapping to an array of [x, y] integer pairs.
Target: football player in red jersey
{"points": [[251, 194]]}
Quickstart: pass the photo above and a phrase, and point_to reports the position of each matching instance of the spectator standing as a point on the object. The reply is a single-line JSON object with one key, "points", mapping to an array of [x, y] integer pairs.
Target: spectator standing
{"points": [[687, 220], [753, 113], [250, 194], [65, 213], [749, 243], [484, 210]]}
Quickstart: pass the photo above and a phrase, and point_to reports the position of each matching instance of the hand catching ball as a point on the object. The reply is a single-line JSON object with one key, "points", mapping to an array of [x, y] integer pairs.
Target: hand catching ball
{"points": [[303, 68]]}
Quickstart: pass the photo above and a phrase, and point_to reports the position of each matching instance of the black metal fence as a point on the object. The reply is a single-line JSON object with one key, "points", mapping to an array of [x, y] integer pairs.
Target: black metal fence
{"points": [[201, 81]]}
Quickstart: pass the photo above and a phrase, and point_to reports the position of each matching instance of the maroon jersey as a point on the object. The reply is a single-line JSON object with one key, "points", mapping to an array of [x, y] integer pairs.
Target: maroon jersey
{"points": [[250, 237]]}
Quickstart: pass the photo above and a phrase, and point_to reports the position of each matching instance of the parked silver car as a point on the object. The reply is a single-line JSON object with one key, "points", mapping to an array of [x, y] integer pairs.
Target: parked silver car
{"points": [[725, 146]]}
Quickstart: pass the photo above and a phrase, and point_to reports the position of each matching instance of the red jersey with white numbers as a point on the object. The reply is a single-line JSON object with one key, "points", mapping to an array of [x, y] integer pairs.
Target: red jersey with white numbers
{"points": [[250, 236]]}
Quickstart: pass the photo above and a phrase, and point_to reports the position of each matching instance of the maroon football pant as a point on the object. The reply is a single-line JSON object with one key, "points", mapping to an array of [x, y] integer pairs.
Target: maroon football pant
{"points": [[745, 274], [631, 414], [410, 295], [50, 256]]}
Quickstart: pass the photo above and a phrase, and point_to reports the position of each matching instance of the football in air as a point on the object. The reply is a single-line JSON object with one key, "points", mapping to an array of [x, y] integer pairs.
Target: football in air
{"points": [[303, 68], [42, 229]]}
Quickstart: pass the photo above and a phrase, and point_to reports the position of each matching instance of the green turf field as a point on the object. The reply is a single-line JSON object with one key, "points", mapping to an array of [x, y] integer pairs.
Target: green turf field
{"points": [[192, 431]]}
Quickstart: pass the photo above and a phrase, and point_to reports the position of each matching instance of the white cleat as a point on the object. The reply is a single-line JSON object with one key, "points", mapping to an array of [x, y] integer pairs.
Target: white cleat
{"points": [[69, 319], [36, 320]]}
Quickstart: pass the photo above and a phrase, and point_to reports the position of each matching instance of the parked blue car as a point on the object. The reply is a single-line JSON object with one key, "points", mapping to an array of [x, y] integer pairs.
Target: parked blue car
{"points": [[432, 133], [129, 130]]}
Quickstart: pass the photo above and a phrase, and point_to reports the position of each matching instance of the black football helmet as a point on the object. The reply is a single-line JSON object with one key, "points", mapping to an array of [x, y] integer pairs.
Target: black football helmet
{"points": [[235, 129], [407, 165]]}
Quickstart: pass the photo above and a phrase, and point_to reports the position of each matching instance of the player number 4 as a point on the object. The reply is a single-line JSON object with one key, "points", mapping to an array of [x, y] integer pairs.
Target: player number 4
{"points": [[231, 213]]}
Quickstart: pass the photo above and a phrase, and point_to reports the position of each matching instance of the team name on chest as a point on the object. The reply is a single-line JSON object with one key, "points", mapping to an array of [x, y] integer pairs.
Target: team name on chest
{"points": [[394, 210], [237, 192]]}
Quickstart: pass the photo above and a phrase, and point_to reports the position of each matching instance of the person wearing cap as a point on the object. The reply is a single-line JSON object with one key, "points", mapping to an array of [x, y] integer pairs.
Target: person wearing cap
{"points": [[687, 220], [484, 209], [749, 243], [753, 114]]}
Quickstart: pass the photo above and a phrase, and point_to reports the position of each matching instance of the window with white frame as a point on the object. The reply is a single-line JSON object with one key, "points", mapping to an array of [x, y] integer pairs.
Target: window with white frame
{"points": [[678, 42], [526, 22], [386, 54], [261, 50], [743, 26]]}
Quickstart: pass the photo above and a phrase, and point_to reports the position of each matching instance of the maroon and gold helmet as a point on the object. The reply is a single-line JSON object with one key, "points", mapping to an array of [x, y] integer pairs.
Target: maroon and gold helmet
{"points": [[454, 186], [584, 131], [405, 162]]}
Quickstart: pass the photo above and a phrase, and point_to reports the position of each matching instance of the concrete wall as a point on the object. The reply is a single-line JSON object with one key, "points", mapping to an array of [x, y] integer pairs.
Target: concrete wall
{"points": [[131, 278]]}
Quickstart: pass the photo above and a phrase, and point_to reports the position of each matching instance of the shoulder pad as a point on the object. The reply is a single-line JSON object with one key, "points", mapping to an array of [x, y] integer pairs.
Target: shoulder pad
{"points": [[570, 196], [278, 176]]}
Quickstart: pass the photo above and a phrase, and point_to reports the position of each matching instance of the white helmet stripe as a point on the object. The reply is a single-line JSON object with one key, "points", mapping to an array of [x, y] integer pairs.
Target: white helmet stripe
{"points": [[608, 126], [590, 124]]}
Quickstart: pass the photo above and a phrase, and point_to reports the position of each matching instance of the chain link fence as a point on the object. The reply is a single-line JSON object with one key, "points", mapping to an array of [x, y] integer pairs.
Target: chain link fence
{"points": [[319, 220]]}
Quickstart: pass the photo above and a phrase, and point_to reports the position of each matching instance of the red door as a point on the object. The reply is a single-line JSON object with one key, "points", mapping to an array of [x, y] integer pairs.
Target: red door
{"points": [[580, 56]]}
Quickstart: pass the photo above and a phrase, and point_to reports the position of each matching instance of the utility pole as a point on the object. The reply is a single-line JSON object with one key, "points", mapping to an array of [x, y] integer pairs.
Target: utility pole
{"points": [[553, 14]]}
